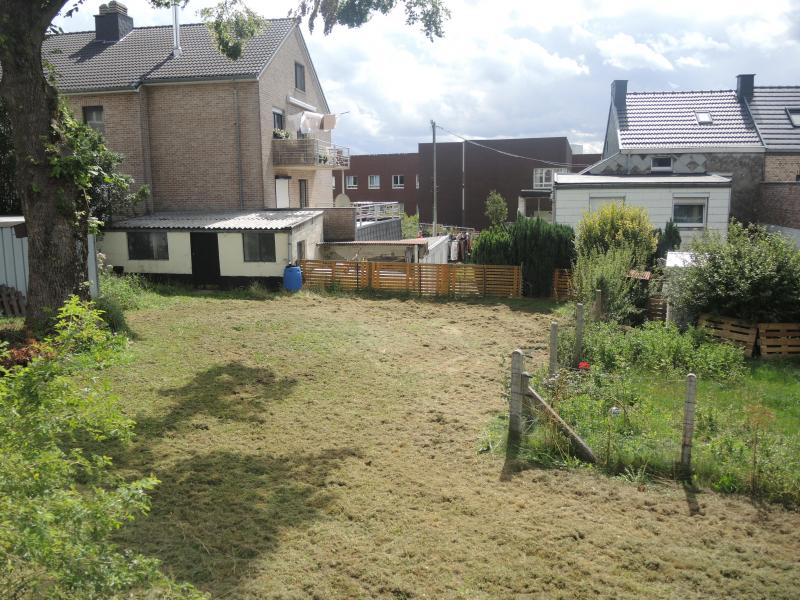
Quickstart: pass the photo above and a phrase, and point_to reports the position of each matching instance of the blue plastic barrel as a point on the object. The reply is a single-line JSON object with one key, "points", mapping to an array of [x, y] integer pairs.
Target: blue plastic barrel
{"points": [[292, 278]]}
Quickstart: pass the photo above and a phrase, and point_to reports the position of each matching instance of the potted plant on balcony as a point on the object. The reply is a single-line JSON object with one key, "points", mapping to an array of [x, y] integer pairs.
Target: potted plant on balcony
{"points": [[280, 134]]}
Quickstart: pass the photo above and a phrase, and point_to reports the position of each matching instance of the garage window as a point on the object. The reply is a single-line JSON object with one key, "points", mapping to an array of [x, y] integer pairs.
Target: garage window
{"points": [[148, 245], [259, 246]]}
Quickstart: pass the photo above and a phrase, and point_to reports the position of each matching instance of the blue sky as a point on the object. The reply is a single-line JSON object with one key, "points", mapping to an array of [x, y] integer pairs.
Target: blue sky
{"points": [[524, 68]]}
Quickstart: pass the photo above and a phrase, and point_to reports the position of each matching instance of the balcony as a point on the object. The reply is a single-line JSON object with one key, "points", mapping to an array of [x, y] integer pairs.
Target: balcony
{"points": [[309, 153], [377, 211]]}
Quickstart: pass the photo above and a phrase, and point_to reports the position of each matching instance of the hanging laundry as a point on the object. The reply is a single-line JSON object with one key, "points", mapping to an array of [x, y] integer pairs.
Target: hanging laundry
{"points": [[328, 122]]}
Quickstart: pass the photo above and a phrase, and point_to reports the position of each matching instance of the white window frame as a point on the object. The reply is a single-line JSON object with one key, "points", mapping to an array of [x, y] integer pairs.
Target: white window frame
{"points": [[794, 115], [371, 185], [542, 183], [703, 121], [351, 182], [690, 201], [656, 169], [96, 110], [398, 182]]}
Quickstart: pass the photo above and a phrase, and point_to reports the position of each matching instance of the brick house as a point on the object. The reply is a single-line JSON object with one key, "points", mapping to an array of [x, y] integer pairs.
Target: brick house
{"points": [[776, 112], [381, 178], [198, 129]]}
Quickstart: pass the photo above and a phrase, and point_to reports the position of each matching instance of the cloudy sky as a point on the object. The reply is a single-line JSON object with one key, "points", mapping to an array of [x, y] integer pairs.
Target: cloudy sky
{"points": [[525, 68]]}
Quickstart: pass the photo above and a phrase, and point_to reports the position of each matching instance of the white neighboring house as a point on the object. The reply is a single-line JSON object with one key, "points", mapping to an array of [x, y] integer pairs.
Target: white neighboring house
{"points": [[695, 157], [695, 203]]}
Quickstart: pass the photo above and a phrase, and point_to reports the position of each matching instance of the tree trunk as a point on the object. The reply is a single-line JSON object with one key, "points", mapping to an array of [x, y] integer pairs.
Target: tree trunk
{"points": [[56, 228]]}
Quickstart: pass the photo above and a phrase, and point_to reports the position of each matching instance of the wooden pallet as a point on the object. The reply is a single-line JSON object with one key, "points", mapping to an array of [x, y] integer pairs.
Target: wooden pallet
{"points": [[738, 332], [562, 284], [12, 302], [779, 339], [657, 308]]}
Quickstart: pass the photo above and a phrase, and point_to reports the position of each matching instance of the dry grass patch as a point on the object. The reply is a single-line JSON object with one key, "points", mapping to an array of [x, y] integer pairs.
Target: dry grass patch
{"points": [[327, 446]]}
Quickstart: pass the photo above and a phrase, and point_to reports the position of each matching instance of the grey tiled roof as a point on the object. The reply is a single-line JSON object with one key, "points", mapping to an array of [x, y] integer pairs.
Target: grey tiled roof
{"points": [[145, 55], [768, 108], [668, 120], [213, 221]]}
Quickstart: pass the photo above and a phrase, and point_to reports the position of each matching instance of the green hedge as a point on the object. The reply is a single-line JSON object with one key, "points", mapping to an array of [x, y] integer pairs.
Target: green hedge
{"points": [[539, 246]]}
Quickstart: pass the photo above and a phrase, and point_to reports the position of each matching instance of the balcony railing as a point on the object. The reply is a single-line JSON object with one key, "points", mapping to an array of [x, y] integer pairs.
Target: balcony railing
{"points": [[309, 153], [376, 211]]}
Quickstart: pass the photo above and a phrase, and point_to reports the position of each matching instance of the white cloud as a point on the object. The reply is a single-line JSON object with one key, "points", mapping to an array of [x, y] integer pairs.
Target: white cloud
{"points": [[766, 33], [514, 68], [624, 52], [690, 61]]}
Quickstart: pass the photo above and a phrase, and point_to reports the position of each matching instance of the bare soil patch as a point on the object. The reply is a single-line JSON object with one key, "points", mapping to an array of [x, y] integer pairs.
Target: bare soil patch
{"points": [[325, 446]]}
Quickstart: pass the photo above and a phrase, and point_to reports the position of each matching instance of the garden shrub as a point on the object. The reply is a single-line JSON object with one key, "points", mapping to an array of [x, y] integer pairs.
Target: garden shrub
{"points": [[496, 208], [540, 247], [753, 275], [608, 270], [59, 501], [669, 239], [615, 225], [656, 347]]}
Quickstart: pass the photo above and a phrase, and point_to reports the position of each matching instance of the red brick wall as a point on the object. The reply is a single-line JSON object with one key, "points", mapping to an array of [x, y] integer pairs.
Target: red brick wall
{"points": [[384, 165], [780, 204]]}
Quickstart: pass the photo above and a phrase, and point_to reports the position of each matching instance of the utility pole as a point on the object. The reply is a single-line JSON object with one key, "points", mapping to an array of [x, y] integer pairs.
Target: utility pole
{"points": [[463, 184], [435, 182]]}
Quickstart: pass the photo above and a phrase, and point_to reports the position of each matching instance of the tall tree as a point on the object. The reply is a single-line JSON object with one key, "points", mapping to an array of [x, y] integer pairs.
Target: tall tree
{"points": [[51, 188]]}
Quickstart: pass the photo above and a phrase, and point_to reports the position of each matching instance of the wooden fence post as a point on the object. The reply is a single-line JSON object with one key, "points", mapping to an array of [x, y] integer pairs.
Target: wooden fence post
{"points": [[579, 325], [517, 396], [597, 308], [553, 348], [688, 425], [527, 405]]}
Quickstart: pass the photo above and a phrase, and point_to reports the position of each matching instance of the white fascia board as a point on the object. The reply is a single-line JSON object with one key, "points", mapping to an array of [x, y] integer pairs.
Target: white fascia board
{"points": [[299, 103]]}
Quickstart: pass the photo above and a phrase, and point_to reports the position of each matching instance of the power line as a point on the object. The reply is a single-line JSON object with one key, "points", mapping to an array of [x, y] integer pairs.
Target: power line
{"points": [[503, 152]]}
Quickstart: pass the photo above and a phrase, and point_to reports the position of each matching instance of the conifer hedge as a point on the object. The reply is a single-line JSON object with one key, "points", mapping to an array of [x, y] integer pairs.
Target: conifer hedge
{"points": [[538, 246]]}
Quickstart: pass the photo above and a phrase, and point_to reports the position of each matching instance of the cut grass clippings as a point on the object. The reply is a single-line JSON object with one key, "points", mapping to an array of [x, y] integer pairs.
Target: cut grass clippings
{"points": [[324, 445]]}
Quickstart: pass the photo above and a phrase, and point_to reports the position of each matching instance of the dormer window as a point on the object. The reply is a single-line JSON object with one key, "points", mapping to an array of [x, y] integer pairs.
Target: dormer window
{"points": [[704, 118], [794, 116], [661, 164]]}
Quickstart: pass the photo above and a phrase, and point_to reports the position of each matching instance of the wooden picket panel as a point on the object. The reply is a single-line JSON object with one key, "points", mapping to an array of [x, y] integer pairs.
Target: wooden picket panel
{"points": [[12, 302], [562, 284], [736, 331], [657, 308], [421, 279], [779, 339]]}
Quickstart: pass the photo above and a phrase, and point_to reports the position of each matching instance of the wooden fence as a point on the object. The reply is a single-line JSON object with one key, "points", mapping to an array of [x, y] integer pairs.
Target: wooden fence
{"points": [[12, 302], [562, 284], [413, 278]]}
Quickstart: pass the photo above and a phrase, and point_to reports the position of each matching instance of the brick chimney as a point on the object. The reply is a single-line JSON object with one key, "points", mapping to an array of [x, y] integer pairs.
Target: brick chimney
{"points": [[113, 22], [744, 87], [619, 89]]}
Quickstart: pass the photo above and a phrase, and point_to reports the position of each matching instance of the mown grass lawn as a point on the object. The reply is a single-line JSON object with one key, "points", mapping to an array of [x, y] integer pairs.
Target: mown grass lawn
{"points": [[328, 446]]}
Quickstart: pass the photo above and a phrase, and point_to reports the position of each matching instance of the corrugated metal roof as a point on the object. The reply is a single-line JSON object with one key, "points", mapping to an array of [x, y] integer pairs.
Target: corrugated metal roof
{"points": [[669, 120], [567, 179], [145, 56], [252, 220], [409, 242], [768, 108]]}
